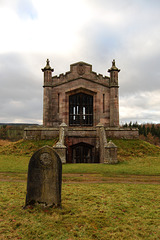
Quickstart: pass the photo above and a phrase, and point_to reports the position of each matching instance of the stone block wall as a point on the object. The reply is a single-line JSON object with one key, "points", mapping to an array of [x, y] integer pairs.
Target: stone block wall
{"points": [[42, 133], [121, 133], [105, 94], [80, 79]]}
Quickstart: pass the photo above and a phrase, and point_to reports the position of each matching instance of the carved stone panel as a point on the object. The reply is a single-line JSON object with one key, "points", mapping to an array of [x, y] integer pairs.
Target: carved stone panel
{"points": [[81, 69]]}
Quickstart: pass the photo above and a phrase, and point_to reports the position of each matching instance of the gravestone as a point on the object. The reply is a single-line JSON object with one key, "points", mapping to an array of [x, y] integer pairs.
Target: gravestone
{"points": [[44, 178]]}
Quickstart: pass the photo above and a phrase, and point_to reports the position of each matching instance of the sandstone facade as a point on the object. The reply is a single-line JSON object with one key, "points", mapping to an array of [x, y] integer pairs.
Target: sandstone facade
{"points": [[81, 79], [82, 99]]}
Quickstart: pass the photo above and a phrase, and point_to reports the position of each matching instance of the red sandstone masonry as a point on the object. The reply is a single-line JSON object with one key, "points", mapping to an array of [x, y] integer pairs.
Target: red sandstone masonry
{"points": [[58, 89], [50, 133], [81, 79]]}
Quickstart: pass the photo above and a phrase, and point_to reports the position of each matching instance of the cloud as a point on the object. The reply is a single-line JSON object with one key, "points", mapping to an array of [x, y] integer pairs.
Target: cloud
{"points": [[21, 91], [25, 9], [94, 31], [141, 107]]}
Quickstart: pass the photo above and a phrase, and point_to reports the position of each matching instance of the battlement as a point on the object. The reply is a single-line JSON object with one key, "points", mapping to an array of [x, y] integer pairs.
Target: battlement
{"points": [[79, 70]]}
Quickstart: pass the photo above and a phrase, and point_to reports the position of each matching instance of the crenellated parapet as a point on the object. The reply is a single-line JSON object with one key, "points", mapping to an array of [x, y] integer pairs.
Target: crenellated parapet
{"points": [[80, 70]]}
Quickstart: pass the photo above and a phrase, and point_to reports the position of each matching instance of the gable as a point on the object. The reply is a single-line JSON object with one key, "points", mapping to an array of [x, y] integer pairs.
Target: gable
{"points": [[80, 70]]}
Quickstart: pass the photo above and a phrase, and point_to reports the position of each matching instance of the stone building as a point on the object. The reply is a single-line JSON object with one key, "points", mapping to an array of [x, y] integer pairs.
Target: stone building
{"points": [[81, 97], [86, 102]]}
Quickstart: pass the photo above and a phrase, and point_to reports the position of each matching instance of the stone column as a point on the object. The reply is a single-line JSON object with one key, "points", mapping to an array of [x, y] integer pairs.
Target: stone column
{"points": [[107, 151], [114, 96], [59, 147], [102, 141], [47, 121]]}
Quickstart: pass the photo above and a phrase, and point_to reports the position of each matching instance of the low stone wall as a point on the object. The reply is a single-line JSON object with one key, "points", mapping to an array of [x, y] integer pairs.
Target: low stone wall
{"points": [[41, 133], [13, 132], [122, 133]]}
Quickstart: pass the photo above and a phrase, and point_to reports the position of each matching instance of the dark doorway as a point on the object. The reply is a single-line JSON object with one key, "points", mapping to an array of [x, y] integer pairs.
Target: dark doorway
{"points": [[82, 153], [81, 110]]}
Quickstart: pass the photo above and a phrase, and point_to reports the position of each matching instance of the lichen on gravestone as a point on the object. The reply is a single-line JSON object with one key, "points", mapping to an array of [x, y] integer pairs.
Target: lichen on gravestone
{"points": [[44, 178]]}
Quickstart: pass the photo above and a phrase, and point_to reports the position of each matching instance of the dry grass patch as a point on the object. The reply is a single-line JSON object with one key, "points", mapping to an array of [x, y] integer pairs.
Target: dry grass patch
{"points": [[4, 142]]}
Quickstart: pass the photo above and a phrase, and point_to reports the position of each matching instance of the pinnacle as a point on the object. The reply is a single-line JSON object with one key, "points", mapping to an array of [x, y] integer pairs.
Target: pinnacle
{"points": [[47, 67]]}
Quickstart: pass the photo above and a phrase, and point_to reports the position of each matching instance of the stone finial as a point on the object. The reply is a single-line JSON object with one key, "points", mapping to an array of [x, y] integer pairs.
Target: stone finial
{"points": [[63, 125], [111, 145], [47, 67], [113, 68], [47, 63], [100, 125]]}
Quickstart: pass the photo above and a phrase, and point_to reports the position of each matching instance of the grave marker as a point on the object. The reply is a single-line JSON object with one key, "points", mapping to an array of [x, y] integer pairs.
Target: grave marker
{"points": [[44, 178]]}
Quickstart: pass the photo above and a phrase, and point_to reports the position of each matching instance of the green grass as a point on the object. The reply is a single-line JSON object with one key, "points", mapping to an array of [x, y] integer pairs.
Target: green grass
{"points": [[136, 158], [25, 147], [89, 211], [126, 148], [136, 166], [129, 149], [11, 163]]}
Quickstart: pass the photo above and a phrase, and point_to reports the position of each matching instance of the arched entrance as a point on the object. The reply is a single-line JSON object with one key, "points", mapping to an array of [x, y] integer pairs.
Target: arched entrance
{"points": [[81, 110], [82, 153]]}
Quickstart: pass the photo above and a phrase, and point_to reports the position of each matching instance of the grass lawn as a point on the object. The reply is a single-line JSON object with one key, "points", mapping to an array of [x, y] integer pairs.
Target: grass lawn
{"points": [[136, 158], [136, 166], [89, 211]]}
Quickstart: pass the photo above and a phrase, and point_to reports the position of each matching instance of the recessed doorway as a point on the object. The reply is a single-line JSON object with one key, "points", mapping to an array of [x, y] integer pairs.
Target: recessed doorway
{"points": [[82, 153]]}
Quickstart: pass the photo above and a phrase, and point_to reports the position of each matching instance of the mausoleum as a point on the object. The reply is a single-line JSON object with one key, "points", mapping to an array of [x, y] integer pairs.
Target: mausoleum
{"points": [[84, 105]]}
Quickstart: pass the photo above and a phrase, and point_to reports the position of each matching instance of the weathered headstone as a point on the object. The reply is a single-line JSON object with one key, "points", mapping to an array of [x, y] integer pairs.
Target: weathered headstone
{"points": [[44, 178]]}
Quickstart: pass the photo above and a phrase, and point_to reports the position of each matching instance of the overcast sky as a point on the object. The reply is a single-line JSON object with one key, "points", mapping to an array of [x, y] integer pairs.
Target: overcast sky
{"points": [[68, 31]]}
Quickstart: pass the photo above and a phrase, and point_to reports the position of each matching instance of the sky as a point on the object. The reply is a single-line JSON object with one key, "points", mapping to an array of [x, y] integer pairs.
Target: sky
{"points": [[93, 31]]}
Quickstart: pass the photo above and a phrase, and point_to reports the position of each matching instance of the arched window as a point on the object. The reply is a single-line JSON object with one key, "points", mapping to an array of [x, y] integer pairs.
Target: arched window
{"points": [[81, 110]]}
